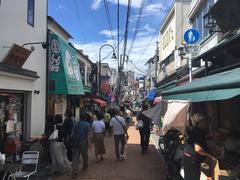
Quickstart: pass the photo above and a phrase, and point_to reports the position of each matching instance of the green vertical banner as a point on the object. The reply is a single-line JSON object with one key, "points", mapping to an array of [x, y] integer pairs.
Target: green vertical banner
{"points": [[64, 73]]}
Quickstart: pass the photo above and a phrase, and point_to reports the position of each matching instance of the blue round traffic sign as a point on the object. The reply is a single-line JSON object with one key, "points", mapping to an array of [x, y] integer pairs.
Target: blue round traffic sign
{"points": [[191, 36]]}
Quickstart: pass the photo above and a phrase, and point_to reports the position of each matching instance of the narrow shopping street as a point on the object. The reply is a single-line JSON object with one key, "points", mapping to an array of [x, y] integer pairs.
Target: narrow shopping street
{"points": [[135, 167]]}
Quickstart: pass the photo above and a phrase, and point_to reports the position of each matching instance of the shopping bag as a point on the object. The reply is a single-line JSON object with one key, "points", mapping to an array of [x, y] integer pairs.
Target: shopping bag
{"points": [[54, 135], [139, 124]]}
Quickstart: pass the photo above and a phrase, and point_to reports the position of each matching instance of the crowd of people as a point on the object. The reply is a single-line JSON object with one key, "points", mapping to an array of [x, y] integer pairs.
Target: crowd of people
{"points": [[67, 139]]}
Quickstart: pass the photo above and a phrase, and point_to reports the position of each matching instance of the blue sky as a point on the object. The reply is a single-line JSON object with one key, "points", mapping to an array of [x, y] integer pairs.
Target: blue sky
{"points": [[86, 21]]}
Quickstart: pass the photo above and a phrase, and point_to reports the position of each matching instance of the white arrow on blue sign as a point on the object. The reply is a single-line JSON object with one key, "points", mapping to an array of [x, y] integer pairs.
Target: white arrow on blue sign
{"points": [[191, 36]]}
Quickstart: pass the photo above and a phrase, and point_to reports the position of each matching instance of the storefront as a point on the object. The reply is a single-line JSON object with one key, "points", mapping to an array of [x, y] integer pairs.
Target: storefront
{"points": [[216, 96], [13, 122], [65, 82]]}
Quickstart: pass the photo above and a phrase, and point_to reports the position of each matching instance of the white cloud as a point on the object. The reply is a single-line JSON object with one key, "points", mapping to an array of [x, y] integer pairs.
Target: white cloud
{"points": [[96, 4], [145, 31], [108, 33], [148, 28], [135, 3], [140, 53], [92, 50], [60, 7], [154, 9]]}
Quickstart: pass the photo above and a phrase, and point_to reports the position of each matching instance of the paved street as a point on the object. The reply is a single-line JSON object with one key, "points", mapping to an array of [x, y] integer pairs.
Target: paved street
{"points": [[135, 167]]}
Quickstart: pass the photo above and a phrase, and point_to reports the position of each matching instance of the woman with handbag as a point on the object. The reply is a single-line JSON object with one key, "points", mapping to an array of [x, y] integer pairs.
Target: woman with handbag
{"points": [[58, 154]]}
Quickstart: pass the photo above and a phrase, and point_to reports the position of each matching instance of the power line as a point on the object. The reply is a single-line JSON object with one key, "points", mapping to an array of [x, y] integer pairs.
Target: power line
{"points": [[148, 45], [139, 18], [79, 17], [109, 20], [136, 67], [155, 33]]}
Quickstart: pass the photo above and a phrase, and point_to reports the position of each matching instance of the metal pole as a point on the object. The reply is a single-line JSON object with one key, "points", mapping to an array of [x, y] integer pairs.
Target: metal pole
{"points": [[100, 65], [190, 66]]}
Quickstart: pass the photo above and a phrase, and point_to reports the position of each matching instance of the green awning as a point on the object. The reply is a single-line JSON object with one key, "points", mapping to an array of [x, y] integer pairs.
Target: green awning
{"points": [[220, 86], [164, 87], [64, 73]]}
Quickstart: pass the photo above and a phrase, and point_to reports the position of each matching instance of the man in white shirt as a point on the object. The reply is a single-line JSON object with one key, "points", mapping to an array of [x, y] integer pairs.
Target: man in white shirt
{"points": [[118, 129], [98, 136]]}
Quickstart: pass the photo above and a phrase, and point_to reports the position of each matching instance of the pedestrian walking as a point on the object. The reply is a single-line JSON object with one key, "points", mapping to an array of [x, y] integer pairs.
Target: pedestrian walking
{"points": [[195, 152], [107, 118], [89, 118], [80, 142], [59, 158], [68, 125], [145, 130], [119, 130], [128, 116], [98, 136]]}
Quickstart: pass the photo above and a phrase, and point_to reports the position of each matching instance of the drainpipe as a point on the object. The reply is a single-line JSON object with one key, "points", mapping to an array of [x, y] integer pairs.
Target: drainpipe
{"points": [[47, 64], [47, 74]]}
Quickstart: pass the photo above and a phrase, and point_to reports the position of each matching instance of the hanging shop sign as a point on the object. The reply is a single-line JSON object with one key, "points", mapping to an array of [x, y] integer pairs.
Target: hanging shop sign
{"points": [[64, 73]]}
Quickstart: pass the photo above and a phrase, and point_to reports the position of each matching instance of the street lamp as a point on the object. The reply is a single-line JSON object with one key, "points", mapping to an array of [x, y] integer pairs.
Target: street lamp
{"points": [[99, 72], [44, 44]]}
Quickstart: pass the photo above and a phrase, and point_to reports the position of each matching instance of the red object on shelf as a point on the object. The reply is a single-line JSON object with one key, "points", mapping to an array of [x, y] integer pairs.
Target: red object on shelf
{"points": [[10, 148]]}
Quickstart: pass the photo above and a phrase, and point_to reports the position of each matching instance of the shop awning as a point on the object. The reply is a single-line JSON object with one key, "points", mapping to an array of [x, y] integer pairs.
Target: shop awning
{"points": [[165, 87], [220, 86], [64, 73], [100, 102]]}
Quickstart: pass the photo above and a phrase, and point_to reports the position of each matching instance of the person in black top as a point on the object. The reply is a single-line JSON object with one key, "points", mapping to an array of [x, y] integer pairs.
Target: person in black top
{"points": [[195, 151], [68, 125], [145, 130]]}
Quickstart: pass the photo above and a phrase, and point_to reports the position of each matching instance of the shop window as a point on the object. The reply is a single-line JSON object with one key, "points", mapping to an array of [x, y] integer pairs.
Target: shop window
{"points": [[199, 21], [11, 121], [30, 12], [205, 32], [82, 71]]}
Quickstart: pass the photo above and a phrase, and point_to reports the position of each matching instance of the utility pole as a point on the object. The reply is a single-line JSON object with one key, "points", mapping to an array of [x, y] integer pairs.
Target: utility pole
{"points": [[156, 62]]}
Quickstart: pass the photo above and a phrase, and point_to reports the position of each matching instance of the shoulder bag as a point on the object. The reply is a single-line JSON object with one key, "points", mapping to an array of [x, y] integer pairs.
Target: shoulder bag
{"points": [[127, 136]]}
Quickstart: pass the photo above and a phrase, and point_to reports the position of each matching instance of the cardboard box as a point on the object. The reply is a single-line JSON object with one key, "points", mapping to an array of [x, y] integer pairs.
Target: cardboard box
{"points": [[217, 171]]}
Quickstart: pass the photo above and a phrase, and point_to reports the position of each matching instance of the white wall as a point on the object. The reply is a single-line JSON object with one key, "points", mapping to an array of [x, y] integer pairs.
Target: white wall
{"points": [[167, 38], [14, 29]]}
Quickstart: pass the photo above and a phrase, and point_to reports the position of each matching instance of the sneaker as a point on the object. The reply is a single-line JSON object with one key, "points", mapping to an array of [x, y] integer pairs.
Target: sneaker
{"points": [[122, 157]]}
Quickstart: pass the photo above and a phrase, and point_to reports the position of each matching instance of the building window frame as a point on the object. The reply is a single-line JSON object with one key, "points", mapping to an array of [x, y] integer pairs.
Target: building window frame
{"points": [[198, 21], [31, 12]]}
